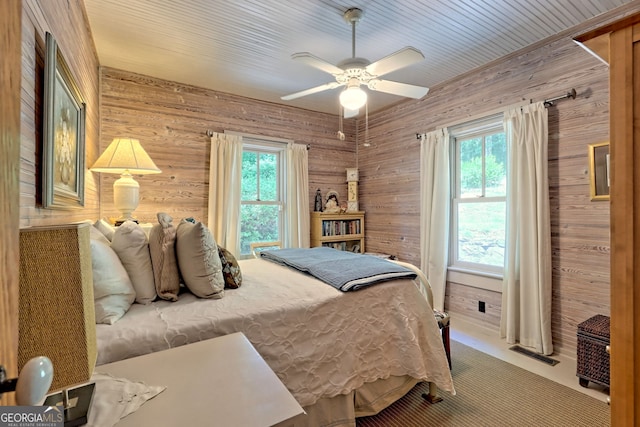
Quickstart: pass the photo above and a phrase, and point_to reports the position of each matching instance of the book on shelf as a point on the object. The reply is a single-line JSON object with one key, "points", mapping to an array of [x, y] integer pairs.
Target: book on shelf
{"points": [[340, 227], [350, 246]]}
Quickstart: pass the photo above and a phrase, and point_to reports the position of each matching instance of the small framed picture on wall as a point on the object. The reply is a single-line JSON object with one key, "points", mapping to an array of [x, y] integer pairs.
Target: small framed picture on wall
{"points": [[599, 171]]}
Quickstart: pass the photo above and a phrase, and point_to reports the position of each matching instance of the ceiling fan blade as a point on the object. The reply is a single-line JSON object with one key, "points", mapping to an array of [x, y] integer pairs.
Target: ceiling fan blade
{"points": [[401, 89], [315, 62], [400, 59], [310, 91], [350, 113]]}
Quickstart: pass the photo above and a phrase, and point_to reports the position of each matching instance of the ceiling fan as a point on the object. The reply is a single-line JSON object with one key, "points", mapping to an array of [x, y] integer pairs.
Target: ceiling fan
{"points": [[354, 72]]}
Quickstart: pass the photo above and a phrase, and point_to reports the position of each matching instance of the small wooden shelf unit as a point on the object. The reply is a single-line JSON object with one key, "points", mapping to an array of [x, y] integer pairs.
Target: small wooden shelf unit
{"points": [[344, 231]]}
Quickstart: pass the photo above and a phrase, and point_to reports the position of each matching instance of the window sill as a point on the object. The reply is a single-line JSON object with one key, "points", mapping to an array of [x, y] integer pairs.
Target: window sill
{"points": [[481, 280]]}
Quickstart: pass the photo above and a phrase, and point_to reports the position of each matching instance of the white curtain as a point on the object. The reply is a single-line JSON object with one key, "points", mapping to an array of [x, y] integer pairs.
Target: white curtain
{"points": [[434, 211], [225, 177], [526, 291], [297, 229]]}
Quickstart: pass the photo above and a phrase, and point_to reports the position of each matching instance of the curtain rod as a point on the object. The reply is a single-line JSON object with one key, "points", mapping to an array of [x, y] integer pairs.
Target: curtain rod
{"points": [[547, 103], [209, 133], [571, 94]]}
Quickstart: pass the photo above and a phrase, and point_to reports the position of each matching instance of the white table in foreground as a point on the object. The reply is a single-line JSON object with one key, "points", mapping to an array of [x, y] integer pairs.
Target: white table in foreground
{"points": [[217, 382]]}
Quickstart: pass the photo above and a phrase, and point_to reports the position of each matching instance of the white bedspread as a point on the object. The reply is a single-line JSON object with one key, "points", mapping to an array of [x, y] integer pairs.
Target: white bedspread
{"points": [[321, 342]]}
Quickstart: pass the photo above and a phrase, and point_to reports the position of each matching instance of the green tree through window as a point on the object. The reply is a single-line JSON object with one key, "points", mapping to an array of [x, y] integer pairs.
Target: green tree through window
{"points": [[261, 201], [479, 199]]}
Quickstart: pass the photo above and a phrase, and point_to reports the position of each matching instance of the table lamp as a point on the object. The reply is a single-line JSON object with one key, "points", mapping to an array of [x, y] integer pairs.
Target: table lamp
{"points": [[126, 157]]}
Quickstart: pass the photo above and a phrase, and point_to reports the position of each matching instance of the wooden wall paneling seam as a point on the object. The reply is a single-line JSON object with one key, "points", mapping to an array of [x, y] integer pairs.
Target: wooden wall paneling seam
{"points": [[634, 373]]}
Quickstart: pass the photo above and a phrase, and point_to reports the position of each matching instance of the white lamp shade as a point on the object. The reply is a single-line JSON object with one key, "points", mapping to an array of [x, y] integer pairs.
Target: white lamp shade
{"points": [[125, 155], [353, 98]]}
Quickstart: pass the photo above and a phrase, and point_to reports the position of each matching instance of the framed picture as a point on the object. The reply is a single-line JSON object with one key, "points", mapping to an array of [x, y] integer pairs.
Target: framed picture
{"points": [[63, 134], [599, 171]]}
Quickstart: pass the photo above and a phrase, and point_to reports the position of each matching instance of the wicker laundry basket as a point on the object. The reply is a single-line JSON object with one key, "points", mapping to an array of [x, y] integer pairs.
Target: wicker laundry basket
{"points": [[593, 358]]}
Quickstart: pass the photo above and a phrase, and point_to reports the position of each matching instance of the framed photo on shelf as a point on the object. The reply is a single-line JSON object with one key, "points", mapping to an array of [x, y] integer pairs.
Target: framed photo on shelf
{"points": [[599, 171], [63, 134]]}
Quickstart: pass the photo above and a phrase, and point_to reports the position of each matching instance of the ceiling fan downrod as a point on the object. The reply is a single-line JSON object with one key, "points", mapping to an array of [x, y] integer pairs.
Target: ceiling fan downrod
{"points": [[352, 16]]}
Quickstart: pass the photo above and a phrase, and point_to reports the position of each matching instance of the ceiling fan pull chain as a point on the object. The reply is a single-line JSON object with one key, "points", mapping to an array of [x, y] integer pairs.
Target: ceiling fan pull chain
{"points": [[340, 129], [366, 125]]}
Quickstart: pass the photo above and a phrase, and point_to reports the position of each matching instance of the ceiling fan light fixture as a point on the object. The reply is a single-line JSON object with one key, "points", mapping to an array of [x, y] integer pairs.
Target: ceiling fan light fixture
{"points": [[355, 72], [353, 97]]}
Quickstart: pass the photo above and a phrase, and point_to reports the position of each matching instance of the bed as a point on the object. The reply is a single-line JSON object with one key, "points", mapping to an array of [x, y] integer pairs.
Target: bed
{"points": [[341, 354]]}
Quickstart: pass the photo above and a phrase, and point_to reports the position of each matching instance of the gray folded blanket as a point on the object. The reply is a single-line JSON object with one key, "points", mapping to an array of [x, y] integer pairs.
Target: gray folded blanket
{"points": [[343, 270]]}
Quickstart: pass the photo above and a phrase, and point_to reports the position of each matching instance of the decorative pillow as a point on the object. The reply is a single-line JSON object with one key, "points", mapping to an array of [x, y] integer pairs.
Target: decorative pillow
{"points": [[105, 228], [131, 244], [113, 292], [94, 233], [162, 247], [230, 269], [198, 260]]}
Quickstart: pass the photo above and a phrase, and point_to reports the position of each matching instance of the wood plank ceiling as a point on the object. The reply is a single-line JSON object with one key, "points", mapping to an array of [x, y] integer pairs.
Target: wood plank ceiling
{"points": [[244, 47]]}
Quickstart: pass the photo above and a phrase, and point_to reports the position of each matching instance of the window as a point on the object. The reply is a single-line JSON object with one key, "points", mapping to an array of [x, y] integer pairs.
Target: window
{"points": [[262, 201], [479, 200]]}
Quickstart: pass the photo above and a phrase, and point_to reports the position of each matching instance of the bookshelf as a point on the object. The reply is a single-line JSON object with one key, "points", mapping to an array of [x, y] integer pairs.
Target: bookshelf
{"points": [[344, 231]]}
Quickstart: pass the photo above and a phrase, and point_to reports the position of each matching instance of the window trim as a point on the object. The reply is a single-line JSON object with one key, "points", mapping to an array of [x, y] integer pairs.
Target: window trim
{"points": [[475, 279], [258, 144], [468, 130]]}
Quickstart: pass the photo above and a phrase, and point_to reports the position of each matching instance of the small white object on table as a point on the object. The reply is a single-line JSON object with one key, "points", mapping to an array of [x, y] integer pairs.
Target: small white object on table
{"points": [[221, 381]]}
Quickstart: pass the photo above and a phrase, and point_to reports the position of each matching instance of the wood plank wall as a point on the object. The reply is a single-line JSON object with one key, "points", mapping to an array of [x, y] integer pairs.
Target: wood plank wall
{"points": [[171, 119], [389, 173], [66, 20]]}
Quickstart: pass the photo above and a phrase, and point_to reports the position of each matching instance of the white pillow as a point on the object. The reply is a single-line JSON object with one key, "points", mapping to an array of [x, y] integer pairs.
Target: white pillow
{"points": [[105, 228], [131, 244], [113, 292], [198, 260], [94, 233]]}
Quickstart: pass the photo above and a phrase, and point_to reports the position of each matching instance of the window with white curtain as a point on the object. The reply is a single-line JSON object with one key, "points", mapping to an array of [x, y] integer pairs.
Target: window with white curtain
{"points": [[262, 203], [479, 180]]}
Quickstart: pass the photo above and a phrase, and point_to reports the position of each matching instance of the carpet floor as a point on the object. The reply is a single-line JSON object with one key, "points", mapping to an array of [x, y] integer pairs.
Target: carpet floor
{"points": [[493, 393]]}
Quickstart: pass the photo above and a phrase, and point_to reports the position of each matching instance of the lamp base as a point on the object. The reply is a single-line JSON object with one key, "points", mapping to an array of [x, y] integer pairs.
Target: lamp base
{"points": [[126, 195]]}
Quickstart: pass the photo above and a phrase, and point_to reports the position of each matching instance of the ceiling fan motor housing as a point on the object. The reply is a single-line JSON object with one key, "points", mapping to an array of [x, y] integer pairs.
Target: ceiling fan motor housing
{"points": [[353, 15], [353, 68]]}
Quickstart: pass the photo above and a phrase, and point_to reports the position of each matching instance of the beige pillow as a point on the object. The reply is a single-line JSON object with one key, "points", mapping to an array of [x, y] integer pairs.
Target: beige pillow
{"points": [[162, 242], [113, 292], [198, 260], [131, 244]]}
